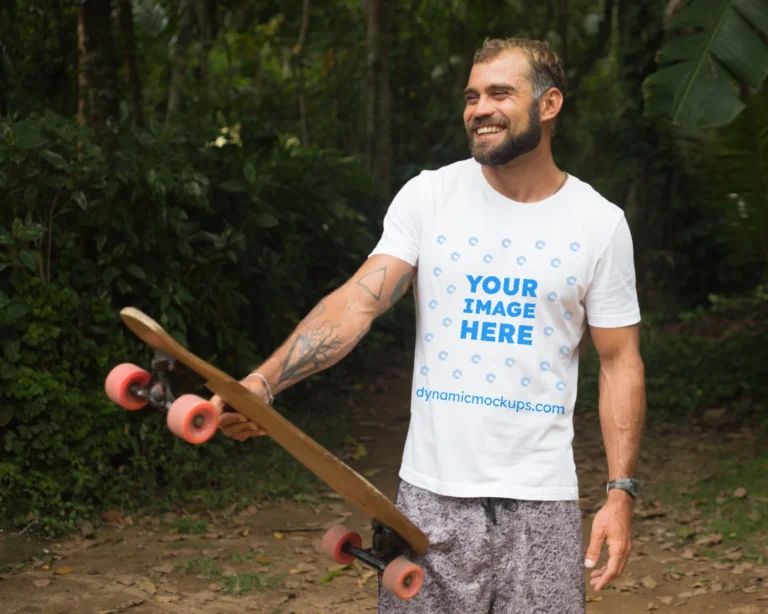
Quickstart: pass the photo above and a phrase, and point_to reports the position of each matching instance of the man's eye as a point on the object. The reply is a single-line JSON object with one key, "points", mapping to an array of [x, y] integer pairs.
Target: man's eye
{"points": [[470, 99]]}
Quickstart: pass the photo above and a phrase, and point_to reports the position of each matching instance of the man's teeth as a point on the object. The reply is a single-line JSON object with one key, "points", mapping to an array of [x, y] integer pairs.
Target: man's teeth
{"points": [[489, 129]]}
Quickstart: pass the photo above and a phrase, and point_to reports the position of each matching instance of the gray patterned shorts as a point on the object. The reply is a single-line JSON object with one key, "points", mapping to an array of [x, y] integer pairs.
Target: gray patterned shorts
{"points": [[493, 556]]}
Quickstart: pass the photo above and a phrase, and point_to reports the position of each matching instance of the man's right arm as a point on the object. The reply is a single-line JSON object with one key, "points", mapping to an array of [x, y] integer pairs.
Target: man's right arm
{"points": [[328, 333]]}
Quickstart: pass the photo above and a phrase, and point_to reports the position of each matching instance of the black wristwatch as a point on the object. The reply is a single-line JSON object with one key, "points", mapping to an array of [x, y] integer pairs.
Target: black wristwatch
{"points": [[631, 485]]}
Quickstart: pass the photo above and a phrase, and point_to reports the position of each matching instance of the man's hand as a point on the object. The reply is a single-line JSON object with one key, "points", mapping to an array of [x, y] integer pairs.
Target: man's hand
{"points": [[612, 525], [236, 425]]}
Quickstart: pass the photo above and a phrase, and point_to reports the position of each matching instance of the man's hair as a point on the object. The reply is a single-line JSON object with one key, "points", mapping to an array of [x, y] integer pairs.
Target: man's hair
{"points": [[546, 67]]}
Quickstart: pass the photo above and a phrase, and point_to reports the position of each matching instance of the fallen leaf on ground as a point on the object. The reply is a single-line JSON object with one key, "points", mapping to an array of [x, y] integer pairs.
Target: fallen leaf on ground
{"points": [[666, 600], [649, 582], [302, 568], [112, 516], [740, 493], [710, 540], [147, 586], [42, 582], [167, 598], [591, 599], [63, 571], [163, 568]]}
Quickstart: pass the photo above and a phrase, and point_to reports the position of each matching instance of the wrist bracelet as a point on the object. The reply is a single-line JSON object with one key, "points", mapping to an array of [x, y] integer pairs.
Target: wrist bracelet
{"points": [[266, 383]]}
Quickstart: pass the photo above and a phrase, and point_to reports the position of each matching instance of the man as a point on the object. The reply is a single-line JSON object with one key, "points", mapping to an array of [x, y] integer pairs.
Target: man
{"points": [[510, 259]]}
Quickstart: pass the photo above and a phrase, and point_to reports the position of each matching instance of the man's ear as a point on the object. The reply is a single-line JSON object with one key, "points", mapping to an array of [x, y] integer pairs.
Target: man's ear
{"points": [[550, 104]]}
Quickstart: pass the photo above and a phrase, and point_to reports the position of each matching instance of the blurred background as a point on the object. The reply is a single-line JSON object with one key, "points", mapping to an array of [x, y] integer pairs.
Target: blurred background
{"points": [[223, 164]]}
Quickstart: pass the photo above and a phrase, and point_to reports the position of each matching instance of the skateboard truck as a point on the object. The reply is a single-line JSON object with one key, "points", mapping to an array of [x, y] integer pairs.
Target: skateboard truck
{"points": [[188, 416], [398, 575]]}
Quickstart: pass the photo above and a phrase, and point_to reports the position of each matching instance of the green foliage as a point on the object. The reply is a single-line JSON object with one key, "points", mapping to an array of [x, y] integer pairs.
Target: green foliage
{"points": [[686, 375], [735, 167], [85, 231], [697, 88]]}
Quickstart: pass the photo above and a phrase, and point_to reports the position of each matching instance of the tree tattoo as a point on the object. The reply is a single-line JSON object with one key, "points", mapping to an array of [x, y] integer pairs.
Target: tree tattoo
{"points": [[401, 288], [310, 350]]}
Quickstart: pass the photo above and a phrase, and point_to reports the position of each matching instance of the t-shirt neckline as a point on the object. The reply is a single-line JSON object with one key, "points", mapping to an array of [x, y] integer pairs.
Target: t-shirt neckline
{"points": [[498, 197]]}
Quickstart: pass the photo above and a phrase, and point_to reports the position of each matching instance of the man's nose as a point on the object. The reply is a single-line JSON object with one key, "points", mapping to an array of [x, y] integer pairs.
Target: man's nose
{"points": [[483, 108]]}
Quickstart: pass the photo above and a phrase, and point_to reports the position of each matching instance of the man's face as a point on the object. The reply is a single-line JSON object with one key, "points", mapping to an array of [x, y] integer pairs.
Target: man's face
{"points": [[500, 117]]}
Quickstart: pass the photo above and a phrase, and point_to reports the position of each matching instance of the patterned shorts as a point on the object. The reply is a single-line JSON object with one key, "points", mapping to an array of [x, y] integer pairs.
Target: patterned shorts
{"points": [[493, 556]]}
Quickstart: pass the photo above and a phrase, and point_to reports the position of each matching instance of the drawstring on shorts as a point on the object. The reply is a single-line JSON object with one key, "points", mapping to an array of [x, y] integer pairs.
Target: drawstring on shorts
{"points": [[490, 503]]}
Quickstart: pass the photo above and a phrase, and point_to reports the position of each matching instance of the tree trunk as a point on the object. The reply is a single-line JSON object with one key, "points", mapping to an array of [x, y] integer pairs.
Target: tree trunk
{"points": [[206, 25], [563, 19], [378, 94], [179, 58], [300, 79], [97, 72], [129, 50]]}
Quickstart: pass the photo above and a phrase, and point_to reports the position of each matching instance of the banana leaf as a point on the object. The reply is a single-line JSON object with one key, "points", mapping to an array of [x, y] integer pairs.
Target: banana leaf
{"points": [[721, 46]]}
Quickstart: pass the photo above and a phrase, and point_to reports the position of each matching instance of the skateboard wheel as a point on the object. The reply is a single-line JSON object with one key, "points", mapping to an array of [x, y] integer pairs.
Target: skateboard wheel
{"points": [[119, 382], [334, 540], [193, 419], [402, 578]]}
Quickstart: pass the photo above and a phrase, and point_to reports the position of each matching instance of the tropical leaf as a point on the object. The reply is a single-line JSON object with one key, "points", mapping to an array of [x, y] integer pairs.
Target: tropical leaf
{"points": [[724, 46]]}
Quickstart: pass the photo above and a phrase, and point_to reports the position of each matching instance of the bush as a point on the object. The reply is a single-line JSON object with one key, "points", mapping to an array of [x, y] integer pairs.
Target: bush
{"points": [[226, 246]]}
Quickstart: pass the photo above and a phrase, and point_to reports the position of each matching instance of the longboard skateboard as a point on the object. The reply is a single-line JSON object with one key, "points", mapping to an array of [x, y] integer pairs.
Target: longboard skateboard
{"points": [[195, 420]]}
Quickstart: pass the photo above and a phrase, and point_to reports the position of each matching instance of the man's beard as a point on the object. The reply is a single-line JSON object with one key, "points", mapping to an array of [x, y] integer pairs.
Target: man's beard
{"points": [[513, 145]]}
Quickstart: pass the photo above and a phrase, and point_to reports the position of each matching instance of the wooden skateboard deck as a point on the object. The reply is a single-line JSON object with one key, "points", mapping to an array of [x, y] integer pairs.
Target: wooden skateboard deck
{"points": [[336, 474]]}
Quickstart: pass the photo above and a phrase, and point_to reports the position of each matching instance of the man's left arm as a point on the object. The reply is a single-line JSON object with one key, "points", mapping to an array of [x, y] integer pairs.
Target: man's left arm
{"points": [[622, 415]]}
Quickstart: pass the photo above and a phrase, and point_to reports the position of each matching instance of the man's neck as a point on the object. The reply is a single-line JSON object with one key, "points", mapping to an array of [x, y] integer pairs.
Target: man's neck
{"points": [[528, 179]]}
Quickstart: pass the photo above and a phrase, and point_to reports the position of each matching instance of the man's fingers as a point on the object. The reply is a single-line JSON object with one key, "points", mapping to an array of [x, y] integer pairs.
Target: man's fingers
{"points": [[611, 571], [593, 552]]}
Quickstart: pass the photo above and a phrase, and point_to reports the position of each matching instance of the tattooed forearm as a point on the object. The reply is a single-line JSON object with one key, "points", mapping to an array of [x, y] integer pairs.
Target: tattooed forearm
{"points": [[316, 312], [310, 350], [401, 288], [373, 282]]}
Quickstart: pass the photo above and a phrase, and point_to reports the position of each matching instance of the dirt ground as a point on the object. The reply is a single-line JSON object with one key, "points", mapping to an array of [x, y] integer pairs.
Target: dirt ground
{"points": [[265, 559]]}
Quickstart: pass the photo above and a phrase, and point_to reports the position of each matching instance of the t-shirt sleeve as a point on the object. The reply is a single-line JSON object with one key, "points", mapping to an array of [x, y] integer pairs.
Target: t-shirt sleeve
{"points": [[611, 300], [403, 223]]}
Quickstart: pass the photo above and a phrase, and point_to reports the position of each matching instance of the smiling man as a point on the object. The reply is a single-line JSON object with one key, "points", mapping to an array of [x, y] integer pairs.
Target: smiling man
{"points": [[511, 259]]}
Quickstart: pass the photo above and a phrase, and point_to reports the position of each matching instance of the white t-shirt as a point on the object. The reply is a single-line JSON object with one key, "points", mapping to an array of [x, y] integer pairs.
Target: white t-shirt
{"points": [[504, 291]]}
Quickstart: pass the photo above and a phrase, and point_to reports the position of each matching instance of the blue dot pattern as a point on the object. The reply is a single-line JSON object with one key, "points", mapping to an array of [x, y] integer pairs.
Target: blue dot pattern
{"points": [[549, 331]]}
